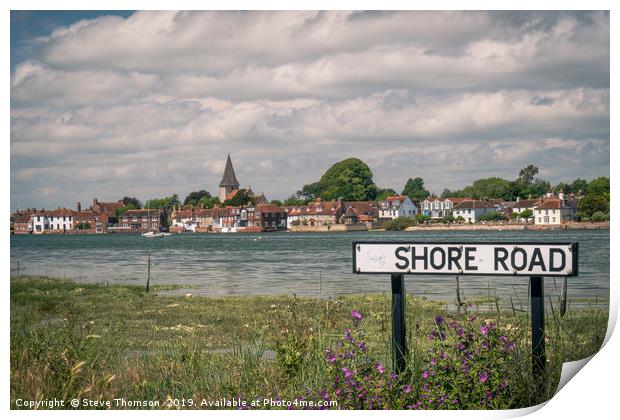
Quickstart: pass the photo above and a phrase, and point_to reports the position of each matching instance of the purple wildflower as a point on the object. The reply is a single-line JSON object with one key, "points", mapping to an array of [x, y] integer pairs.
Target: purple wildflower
{"points": [[347, 372], [471, 318], [356, 315], [483, 377], [460, 332], [426, 374], [331, 357], [485, 344], [484, 330], [434, 361], [452, 325], [503, 339], [460, 346], [443, 355], [407, 389], [503, 384], [439, 319], [379, 367]]}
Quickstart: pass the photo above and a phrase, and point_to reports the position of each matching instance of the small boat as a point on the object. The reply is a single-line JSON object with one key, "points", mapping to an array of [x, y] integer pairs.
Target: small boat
{"points": [[152, 234]]}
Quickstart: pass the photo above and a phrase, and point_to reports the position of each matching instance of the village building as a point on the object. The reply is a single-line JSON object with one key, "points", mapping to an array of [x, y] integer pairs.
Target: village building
{"points": [[555, 211], [183, 221], [56, 221], [90, 220], [109, 208], [397, 206], [204, 220], [437, 208], [22, 224], [270, 217], [471, 210], [316, 213], [143, 220]]}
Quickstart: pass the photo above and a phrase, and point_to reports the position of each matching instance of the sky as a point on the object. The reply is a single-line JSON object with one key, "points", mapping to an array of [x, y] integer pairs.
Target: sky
{"points": [[146, 104]]}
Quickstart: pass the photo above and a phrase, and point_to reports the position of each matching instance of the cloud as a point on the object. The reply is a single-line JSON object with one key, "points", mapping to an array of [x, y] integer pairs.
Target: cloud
{"points": [[152, 104]]}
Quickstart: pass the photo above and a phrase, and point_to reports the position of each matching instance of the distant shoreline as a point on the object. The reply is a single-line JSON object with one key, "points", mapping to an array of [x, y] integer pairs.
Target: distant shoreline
{"points": [[361, 228]]}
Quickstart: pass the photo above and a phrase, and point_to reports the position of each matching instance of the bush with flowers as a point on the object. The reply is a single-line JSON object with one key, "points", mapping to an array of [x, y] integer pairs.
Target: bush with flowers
{"points": [[467, 366]]}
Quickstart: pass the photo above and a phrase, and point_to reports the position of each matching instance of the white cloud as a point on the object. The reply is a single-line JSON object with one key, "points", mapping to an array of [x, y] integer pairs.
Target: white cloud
{"points": [[151, 104]]}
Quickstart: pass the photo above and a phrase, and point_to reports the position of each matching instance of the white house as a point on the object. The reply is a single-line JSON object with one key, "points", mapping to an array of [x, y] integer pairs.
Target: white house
{"points": [[184, 220], [555, 211], [471, 210], [397, 206], [436, 207], [53, 220]]}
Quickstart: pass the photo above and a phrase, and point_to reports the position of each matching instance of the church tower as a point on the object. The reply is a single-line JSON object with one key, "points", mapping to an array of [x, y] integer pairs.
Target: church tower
{"points": [[229, 181]]}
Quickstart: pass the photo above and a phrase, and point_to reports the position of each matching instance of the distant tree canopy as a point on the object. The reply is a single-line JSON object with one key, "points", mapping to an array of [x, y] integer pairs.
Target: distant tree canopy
{"points": [[240, 199], [276, 202], [132, 201], [128, 206], [598, 186], [384, 193], [349, 179], [524, 186], [194, 197], [579, 185], [296, 200], [158, 203], [208, 202], [414, 189]]}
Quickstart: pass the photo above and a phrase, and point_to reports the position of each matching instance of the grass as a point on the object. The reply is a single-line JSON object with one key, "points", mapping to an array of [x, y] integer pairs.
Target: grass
{"points": [[101, 342]]}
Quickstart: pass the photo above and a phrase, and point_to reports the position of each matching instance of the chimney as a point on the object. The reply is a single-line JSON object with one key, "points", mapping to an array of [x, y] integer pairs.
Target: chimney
{"points": [[561, 195], [79, 207], [517, 199]]}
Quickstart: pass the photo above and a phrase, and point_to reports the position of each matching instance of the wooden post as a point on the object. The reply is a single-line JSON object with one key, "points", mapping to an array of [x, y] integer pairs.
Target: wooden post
{"points": [[538, 327], [563, 297], [399, 344], [17, 269], [148, 270], [458, 295]]}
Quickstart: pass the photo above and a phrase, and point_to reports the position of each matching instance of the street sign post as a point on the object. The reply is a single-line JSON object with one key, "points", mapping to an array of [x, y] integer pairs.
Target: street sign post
{"points": [[529, 259]]}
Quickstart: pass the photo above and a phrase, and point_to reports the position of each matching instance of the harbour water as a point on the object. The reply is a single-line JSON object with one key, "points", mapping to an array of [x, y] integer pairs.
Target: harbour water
{"points": [[306, 264]]}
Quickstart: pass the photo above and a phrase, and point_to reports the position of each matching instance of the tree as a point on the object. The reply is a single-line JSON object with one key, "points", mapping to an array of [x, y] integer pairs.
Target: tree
{"points": [[446, 193], [599, 185], [599, 216], [527, 174], [349, 179], [526, 214], [538, 187], [414, 189], [592, 203], [579, 185], [276, 202], [132, 201], [563, 187], [384, 193], [159, 203], [240, 199], [208, 202], [490, 187], [129, 206], [493, 216], [194, 197], [295, 200]]}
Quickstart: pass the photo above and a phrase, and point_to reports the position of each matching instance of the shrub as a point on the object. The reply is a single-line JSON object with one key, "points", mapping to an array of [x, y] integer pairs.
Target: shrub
{"points": [[599, 216], [493, 216], [467, 366], [400, 223]]}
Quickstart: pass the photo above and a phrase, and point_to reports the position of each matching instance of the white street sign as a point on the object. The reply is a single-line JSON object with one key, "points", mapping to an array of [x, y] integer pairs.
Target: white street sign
{"points": [[513, 259]]}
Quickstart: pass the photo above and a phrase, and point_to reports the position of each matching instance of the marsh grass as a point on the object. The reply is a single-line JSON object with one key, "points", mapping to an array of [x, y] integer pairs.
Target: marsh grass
{"points": [[100, 341]]}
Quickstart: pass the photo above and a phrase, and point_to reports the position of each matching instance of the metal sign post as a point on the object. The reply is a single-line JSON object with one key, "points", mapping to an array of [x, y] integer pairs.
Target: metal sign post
{"points": [[533, 260]]}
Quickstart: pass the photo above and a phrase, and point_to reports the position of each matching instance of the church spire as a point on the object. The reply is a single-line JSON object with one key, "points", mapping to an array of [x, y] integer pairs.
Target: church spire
{"points": [[229, 179]]}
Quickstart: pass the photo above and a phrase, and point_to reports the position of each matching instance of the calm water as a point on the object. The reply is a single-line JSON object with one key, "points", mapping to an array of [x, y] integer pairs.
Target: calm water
{"points": [[285, 263]]}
